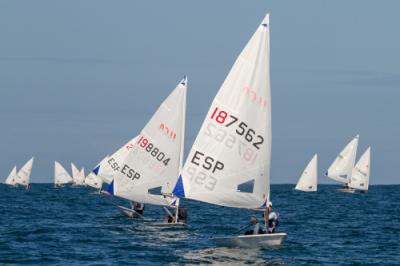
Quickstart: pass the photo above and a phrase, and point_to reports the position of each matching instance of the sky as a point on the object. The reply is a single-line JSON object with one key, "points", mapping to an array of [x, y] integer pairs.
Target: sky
{"points": [[80, 78]]}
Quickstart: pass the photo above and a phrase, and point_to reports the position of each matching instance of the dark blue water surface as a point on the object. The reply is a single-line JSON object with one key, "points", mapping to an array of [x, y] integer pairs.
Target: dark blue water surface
{"points": [[75, 226]]}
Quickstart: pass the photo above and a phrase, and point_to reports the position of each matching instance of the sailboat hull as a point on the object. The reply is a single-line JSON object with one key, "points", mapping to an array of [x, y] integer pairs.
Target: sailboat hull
{"points": [[250, 241], [347, 190], [128, 212], [165, 224]]}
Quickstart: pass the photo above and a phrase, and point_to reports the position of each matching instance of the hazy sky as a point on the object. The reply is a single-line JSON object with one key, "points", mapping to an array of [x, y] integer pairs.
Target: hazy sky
{"points": [[80, 78]]}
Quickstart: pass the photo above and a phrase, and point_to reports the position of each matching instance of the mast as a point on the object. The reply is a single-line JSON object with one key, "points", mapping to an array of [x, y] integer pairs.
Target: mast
{"points": [[184, 82]]}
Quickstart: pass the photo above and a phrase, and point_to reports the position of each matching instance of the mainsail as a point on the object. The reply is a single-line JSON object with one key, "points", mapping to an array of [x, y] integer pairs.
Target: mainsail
{"points": [[308, 180], [229, 163], [12, 177], [340, 170], [152, 165], [24, 174], [61, 176], [360, 174]]}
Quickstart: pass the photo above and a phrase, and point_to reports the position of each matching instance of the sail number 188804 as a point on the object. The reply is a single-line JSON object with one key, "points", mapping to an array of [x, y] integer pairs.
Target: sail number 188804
{"points": [[242, 129]]}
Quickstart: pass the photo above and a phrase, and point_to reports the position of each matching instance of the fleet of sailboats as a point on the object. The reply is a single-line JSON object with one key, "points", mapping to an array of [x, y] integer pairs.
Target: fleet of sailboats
{"points": [[78, 176], [22, 177], [229, 162], [344, 169]]}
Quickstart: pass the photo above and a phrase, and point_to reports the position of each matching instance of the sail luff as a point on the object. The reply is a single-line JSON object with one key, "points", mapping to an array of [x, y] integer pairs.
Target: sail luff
{"points": [[181, 155]]}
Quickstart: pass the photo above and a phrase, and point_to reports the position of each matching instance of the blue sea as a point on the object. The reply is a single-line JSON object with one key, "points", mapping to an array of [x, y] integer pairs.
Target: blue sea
{"points": [[76, 226]]}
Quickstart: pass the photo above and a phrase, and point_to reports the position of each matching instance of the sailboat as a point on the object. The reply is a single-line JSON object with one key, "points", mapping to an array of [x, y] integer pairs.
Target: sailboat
{"points": [[152, 165], [341, 169], [233, 147], [94, 181], [61, 176], [77, 176], [24, 174], [360, 174], [308, 180], [12, 177]]}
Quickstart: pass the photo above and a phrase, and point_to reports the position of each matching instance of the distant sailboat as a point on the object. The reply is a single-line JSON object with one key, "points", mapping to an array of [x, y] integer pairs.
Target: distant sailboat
{"points": [[12, 177], [61, 176], [24, 174], [361, 171], [109, 165], [229, 163], [308, 180], [341, 169], [77, 176], [153, 163], [93, 181]]}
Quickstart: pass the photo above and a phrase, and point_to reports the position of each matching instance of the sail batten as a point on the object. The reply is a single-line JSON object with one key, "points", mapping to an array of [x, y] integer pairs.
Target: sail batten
{"points": [[233, 145]]}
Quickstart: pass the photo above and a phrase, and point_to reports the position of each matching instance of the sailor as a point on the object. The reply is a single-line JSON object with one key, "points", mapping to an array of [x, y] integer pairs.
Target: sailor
{"points": [[182, 215], [273, 219], [256, 227], [138, 207]]}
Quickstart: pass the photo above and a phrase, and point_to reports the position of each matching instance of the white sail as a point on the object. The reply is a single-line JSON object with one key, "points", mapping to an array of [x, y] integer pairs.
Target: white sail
{"points": [[229, 163], [93, 180], [154, 161], [12, 177], [61, 176], [24, 174], [110, 164], [77, 176], [82, 176], [340, 170], [308, 180], [360, 174]]}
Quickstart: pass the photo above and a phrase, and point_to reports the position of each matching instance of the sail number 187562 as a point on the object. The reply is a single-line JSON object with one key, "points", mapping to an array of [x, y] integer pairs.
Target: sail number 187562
{"points": [[242, 129]]}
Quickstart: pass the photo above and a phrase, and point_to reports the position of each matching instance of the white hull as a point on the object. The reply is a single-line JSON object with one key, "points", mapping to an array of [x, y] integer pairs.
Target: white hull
{"points": [[347, 190], [165, 224], [250, 241], [128, 212]]}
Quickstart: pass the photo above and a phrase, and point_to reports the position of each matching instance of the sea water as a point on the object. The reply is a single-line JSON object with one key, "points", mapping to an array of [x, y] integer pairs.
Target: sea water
{"points": [[76, 226]]}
